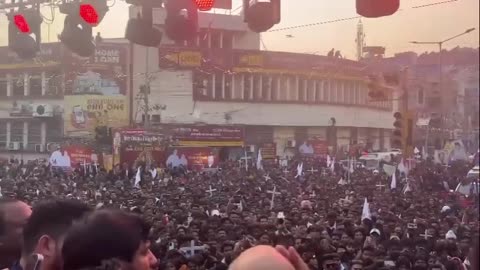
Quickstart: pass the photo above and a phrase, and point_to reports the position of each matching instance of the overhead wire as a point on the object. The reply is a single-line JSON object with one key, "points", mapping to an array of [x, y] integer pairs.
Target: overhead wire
{"points": [[349, 18]]}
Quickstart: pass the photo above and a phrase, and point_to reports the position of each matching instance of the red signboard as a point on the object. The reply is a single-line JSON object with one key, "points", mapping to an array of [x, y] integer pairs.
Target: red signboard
{"points": [[195, 158], [72, 156], [269, 151], [320, 147], [132, 145]]}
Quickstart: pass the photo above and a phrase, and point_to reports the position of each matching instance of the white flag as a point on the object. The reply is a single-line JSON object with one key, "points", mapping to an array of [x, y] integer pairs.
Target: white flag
{"points": [[342, 182], [401, 167], [366, 211], [393, 184], [1, 195], [332, 165], [329, 160], [407, 188], [299, 170], [154, 173], [138, 178], [259, 160], [351, 165]]}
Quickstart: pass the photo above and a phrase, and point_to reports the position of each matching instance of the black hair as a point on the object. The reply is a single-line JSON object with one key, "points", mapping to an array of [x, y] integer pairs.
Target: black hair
{"points": [[52, 218], [104, 235]]}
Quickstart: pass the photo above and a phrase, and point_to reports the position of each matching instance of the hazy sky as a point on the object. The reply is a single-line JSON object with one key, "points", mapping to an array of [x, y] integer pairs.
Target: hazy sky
{"points": [[431, 23]]}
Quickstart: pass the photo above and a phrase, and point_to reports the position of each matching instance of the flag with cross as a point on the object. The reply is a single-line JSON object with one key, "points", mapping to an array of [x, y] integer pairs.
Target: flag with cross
{"points": [[273, 192]]}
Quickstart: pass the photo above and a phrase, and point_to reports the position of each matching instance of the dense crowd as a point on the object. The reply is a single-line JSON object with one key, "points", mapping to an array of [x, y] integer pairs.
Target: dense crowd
{"points": [[334, 219]]}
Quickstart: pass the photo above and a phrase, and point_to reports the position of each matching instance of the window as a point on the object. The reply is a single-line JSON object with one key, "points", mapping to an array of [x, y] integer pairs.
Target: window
{"points": [[18, 87], [333, 91], [301, 90], [340, 92], [326, 91], [202, 85], [283, 90], [293, 88], [34, 134], [274, 93], [216, 39], [311, 84], [3, 87], [54, 83], [266, 87], [16, 131], [227, 40], [248, 87], [35, 85], [54, 131], [227, 87], [319, 90], [203, 37], [3, 134], [257, 86], [237, 86], [219, 85], [421, 96]]}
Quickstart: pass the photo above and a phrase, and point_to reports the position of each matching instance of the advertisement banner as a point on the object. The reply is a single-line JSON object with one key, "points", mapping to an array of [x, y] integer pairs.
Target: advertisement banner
{"points": [[269, 151], [73, 156], [320, 147], [49, 57], [208, 136], [195, 158], [84, 113], [134, 145], [104, 73]]}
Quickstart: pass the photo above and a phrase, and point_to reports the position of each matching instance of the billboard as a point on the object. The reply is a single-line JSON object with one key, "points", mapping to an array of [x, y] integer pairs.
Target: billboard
{"points": [[201, 136], [195, 158], [85, 112], [132, 145], [73, 156], [104, 73]]}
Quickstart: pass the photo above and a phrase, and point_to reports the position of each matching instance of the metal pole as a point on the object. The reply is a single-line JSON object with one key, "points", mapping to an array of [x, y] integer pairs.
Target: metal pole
{"points": [[146, 92], [426, 142]]}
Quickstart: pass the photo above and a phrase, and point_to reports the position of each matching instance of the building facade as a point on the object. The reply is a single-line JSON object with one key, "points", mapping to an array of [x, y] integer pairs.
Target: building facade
{"points": [[280, 98]]}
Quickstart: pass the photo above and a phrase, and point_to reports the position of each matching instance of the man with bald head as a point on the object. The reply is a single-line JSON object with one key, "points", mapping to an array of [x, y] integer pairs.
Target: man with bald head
{"points": [[13, 217], [267, 257]]}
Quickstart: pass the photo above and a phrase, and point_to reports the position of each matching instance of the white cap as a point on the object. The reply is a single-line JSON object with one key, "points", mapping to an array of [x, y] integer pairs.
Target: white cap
{"points": [[280, 215], [375, 230], [215, 213], [445, 208], [450, 235]]}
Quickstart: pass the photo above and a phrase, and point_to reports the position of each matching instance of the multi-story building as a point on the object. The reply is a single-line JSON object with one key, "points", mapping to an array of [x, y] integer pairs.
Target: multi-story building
{"points": [[58, 96], [224, 79]]}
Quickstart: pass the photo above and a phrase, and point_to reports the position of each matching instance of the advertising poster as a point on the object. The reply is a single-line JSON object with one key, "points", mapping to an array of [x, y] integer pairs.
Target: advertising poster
{"points": [[73, 156], [320, 147], [85, 112], [104, 73], [269, 151], [195, 158], [135, 145]]}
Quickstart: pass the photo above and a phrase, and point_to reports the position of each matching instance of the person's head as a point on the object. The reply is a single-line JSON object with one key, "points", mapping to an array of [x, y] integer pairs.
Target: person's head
{"points": [[330, 261], [45, 230], [13, 216], [261, 258], [109, 234]]}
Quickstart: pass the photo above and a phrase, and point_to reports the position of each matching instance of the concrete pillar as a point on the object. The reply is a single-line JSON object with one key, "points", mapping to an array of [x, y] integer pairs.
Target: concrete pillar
{"points": [[44, 83], [25, 134], [9, 85], [9, 128], [43, 137], [26, 84]]}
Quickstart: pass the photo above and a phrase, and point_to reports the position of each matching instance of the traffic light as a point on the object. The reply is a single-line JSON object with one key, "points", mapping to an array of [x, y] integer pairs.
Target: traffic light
{"points": [[402, 136], [261, 15], [377, 8], [205, 5], [24, 32], [140, 30], [182, 20], [77, 27]]}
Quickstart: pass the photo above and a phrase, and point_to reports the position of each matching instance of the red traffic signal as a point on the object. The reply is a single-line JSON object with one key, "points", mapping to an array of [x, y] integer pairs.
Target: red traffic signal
{"points": [[89, 14], [205, 5], [377, 8], [21, 23]]}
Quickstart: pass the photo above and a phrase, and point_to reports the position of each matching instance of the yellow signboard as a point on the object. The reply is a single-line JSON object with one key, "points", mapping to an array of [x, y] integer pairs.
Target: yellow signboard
{"points": [[83, 113]]}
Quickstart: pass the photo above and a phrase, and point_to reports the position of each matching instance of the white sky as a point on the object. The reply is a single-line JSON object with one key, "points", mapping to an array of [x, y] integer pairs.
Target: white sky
{"points": [[432, 23]]}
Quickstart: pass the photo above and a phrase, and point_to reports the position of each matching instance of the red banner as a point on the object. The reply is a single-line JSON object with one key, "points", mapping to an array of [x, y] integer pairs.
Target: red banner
{"points": [[72, 156], [133, 145], [269, 151], [320, 147], [195, 158]]}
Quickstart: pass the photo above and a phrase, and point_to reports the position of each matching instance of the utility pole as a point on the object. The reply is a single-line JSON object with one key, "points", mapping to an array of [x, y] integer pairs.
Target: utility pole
{"points": [[145, 89]]}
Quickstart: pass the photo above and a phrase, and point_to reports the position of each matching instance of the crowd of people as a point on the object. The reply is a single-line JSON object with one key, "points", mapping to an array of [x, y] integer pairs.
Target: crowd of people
{"points": [[239, 217]]}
